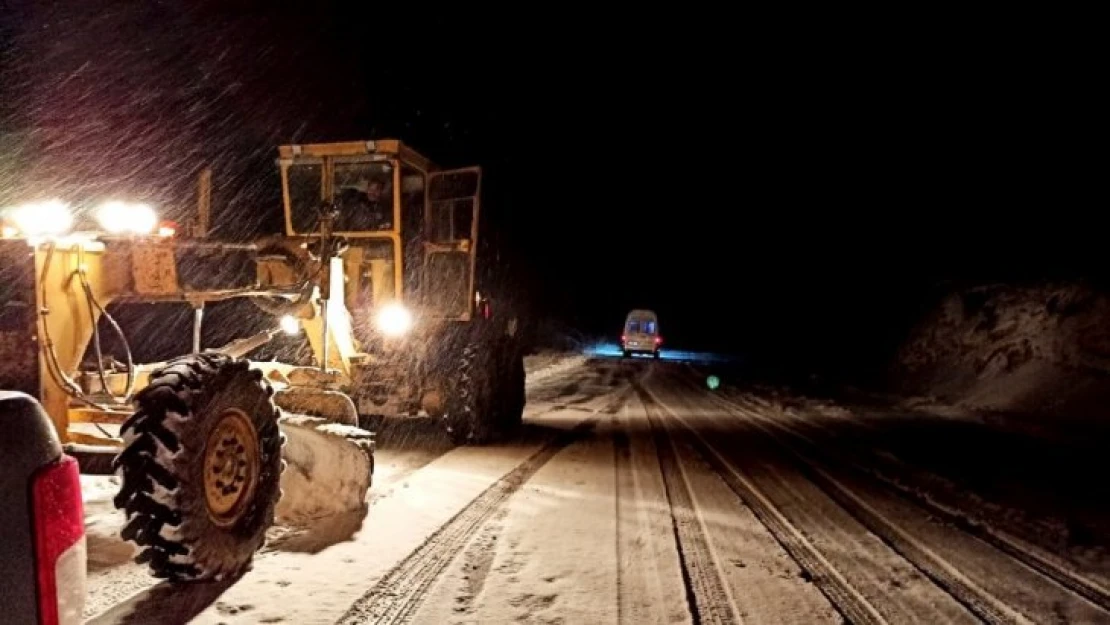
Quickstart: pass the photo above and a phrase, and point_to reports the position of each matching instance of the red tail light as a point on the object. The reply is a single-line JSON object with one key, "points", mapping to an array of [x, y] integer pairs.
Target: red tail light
{"points": [[60, 557], [658, 340]]}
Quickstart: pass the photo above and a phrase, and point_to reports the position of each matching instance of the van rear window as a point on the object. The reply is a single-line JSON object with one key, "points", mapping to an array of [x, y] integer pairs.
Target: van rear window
{"points": [[646, 327], [633, 326]]}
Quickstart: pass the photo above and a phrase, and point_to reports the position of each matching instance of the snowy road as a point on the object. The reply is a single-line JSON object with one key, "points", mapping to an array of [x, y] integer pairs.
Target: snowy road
{"points": [[634, 495]]}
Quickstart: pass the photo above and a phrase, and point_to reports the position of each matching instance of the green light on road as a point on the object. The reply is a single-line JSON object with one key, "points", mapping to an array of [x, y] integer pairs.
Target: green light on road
{"points": [[713, 382]]}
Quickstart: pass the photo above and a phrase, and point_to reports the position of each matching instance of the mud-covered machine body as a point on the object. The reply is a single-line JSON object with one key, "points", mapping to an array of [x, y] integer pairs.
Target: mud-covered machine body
{"points": [[202, 441]]}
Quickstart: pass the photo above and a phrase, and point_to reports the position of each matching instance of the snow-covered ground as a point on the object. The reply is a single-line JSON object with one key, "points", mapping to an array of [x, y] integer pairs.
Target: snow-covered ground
{"points": [[633, 495], [114, 577], [1017, 487], [845, 490], [1004, 417]]}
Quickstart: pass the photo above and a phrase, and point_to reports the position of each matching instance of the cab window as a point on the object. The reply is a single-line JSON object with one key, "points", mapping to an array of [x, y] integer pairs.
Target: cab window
{"points": [[363, 196], [305, 188]]}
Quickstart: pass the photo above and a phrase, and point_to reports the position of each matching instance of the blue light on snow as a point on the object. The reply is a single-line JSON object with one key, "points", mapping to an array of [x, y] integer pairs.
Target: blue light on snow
{"points": [[612, 350], [603, 350]]}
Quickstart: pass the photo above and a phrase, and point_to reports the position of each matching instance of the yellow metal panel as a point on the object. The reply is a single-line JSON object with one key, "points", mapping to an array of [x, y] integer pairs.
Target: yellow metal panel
{"points": [[64, 329], [88, 439], [353, 260], [286, 199], [386, 287], [394, 147], [411, 157], [341, 344], [344, 148], [154, 270], [276, 273], [93, 415]]}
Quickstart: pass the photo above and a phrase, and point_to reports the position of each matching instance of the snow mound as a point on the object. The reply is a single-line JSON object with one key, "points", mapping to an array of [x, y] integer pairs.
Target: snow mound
{"points": [[1031, 350], [543, 366]]}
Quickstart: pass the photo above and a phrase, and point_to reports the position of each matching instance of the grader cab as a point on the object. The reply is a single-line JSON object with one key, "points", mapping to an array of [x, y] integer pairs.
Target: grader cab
{"points": [[376, 272], [425, 340]]}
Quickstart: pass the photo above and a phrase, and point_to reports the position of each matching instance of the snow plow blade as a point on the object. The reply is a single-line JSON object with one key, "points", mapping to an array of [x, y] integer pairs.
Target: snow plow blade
{"points": [[328, 469]]}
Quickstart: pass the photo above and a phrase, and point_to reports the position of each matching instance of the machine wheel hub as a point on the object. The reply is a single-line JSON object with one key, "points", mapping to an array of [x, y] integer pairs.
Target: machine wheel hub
{"points": [[231, 467]]}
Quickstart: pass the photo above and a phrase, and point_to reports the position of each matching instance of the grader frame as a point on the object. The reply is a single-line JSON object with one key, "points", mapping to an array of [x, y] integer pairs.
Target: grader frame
{"points": [[205, 427], [57, 290]]}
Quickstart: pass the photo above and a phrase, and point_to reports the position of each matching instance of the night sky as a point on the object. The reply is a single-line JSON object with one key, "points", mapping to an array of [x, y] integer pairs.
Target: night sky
{"points": [[798, 185]]}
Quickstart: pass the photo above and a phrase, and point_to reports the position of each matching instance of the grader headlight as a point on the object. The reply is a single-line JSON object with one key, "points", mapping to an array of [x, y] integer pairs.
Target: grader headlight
{"points": [[127, 218], [290, 325], [49, 218], [394, 320]]}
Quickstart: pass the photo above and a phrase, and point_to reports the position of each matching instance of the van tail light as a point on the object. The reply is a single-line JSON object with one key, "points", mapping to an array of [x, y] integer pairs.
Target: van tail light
{"points": [[60, 557], [624, 339], [658, 340]]}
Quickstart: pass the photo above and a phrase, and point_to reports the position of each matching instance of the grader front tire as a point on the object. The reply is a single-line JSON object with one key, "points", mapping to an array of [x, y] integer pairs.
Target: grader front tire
{"points": [[201, 468]]}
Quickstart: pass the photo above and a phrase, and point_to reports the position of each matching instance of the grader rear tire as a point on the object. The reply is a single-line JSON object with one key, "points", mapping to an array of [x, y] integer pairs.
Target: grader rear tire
{"points": [[468, 418], [201, 468], [513, 398], [485, 401]]}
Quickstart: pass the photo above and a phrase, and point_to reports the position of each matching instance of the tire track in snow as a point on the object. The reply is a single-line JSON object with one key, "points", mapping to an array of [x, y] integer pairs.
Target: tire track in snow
{"points": [[851, 604], [647, 558], [1071, 580], [622, 461], [412, 461], [117, 584], [401, 592], [932, 565], [944, 574], [707, 596], [980, 602]]}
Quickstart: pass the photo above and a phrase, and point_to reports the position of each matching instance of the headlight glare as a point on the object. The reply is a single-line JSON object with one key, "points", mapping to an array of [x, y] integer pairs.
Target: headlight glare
{"points": [[290, 325], [51, 217], [394, 320], [126, 218]]}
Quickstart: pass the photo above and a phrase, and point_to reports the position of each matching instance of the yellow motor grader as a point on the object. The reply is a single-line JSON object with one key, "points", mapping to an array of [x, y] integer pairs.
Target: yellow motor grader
{"points": [[376, 270]]}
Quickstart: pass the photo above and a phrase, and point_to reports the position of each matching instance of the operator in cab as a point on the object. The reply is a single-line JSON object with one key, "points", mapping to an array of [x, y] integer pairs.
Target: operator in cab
{"points": [[365, 206]]}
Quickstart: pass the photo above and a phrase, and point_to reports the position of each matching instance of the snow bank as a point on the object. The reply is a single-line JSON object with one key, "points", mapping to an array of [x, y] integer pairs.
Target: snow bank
{"points": [[546, 364], [1031, 350]]}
